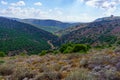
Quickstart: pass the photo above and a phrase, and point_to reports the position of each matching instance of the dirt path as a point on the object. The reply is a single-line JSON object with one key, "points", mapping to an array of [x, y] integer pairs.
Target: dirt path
{"points": [[52, 46]]}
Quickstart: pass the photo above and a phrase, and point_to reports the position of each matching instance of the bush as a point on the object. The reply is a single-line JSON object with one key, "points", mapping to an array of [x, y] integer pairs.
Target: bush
{"points": [[21, 72], [1, 61], [118, 42], [80, 74], [2, 54], [69, 48], [56, 52], [43, 52], [6, 69], [23, 54], [65, 46], [49, 76], [80, 48]]}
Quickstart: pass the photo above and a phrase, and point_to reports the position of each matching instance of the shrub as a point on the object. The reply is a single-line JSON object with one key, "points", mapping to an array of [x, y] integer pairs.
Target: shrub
{"points": [[80, 74], [64, 47], [49, 76], [6, 69], [106, 73], [80, 48], [69, 48], [23, 54], [1, 61], [118, 42], [43, 52], [2, 54], [55, 52], [21, 72]]}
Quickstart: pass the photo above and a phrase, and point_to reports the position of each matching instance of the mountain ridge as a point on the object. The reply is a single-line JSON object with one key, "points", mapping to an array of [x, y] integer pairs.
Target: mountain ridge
{"points": [[48, 24], [96, 33], [112, 17], [15, 36]]}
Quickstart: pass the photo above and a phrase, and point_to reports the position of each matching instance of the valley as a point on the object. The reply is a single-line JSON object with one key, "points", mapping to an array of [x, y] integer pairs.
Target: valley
{"points": [[86, 51], [59, 39]]}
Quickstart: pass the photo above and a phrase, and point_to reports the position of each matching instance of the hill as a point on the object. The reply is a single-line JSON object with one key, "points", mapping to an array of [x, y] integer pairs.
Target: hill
{"points": [[16, 37], [48, 25], [98, 33], [70, 29], [112, 17]]}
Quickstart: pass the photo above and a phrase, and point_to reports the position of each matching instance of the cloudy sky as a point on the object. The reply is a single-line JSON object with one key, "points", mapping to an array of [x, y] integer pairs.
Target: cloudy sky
{"points": [[63, 10]]}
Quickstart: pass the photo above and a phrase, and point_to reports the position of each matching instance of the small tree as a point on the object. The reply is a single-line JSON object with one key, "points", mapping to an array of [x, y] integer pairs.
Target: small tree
{"points": [[80, 48], [23, 54], [2, 54], [43, 52], [65, 46], [69, 49]]}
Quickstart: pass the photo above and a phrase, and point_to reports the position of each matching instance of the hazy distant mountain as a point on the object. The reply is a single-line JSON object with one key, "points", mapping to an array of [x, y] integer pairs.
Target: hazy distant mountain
{"points": [[48, 25], [112, 17], [17, 36]]}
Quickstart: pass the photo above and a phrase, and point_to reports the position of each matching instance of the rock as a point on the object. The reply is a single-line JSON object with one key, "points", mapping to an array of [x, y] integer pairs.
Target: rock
{"points": [[26, 78], [97, 68]]}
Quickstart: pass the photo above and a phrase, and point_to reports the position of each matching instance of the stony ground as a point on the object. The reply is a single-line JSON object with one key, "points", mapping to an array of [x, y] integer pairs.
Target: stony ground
{"points": [[96, 65]]}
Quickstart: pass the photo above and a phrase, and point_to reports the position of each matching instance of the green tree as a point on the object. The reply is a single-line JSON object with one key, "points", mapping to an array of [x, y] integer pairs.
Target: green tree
{"points": [[80, 48], [64, 47], [43, 52], [69, 49], [2, 54]]}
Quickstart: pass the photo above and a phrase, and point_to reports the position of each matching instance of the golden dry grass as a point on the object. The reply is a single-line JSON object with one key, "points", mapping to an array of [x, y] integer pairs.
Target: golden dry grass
{"points": [[55, 67]]}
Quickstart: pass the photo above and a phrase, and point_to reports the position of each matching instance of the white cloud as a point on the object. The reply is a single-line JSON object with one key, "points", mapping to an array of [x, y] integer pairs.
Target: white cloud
{"points": [[56, 14], [38, 4], [19, 3], [19, 12], [4, 2], [91, 3], [108, 5]]}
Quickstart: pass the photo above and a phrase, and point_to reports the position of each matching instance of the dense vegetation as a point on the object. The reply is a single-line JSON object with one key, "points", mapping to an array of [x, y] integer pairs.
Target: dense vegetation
{"points": [[102, 33], [73, 48], [48, 25], [16, 37], [70, 29]]}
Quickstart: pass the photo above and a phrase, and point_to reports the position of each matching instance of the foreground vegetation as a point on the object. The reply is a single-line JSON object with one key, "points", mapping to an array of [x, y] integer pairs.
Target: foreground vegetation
{"points": [[95, 65]]}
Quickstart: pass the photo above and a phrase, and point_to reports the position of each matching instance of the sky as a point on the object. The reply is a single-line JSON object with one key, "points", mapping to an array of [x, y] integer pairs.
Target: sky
{"points": [[62, 10]]}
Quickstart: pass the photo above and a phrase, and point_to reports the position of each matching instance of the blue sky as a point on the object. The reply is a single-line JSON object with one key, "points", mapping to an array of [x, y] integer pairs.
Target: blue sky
{"points": [[63, 10]]}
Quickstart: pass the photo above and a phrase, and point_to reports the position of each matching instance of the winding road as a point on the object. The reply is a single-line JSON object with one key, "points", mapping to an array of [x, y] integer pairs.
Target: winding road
{"points": [[52, 46]]}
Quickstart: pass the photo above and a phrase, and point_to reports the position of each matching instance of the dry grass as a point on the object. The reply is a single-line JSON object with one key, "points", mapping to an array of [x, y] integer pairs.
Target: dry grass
{"points": [[62, 66]]}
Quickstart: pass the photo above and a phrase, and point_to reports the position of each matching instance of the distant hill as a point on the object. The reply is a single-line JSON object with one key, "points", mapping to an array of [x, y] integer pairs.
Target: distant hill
{"points": [[100, 32], [48, 25], [112, 17], [70, 29], [18, 37]]}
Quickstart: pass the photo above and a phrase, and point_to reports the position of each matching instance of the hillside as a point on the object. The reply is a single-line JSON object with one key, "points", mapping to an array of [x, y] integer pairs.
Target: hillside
{"points": [[98, 33], [70, 29], [48, 25], [112, 17], [16, 37]]}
